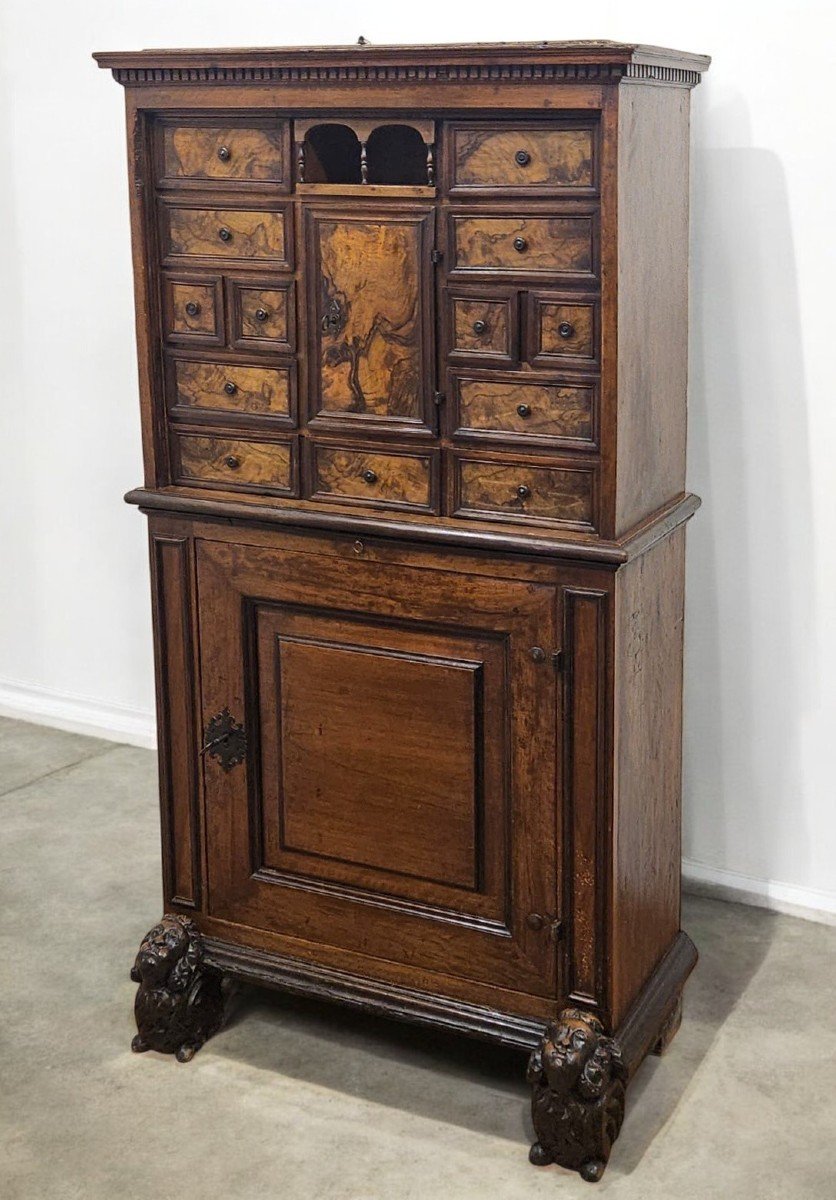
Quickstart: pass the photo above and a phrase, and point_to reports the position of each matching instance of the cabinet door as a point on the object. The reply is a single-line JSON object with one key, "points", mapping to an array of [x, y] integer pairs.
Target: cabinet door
{"points": [[370, 296], [397, 797]]}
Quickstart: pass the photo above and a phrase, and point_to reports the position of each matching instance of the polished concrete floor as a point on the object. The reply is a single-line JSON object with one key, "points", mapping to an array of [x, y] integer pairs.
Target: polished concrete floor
{"points": [[296, 1100]]}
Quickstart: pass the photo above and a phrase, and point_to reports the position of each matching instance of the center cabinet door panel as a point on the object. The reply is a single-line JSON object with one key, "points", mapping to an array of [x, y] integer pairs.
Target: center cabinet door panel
{"points": [[370, 302], [373, 811]]}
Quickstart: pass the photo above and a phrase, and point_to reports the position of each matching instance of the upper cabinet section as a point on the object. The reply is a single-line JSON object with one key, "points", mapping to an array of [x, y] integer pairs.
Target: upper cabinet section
{"points": [[523, 158], [204, 152]]}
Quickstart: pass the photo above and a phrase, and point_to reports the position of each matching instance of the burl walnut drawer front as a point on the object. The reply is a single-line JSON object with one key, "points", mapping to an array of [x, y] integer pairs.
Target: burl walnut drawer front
{"points": [[232, 388], [232, 233], [231, 462], [504, 489], [553, 245], [368, 477], [562, 330], [261, 318], [484, 327], [193, 309], [527, 157], [224, 152], [521, 409]]}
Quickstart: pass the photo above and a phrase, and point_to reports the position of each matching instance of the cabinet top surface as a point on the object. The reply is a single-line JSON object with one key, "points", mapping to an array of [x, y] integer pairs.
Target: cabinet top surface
{"points": [[612, 58]]}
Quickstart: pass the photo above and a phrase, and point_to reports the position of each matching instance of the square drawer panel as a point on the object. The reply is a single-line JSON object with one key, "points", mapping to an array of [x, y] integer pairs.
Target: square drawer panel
{"points": [[224, 151], [541, 244], [227, 461], [525, 408], [262, 315], [529, 157], [193, 309], [501, 490], [244, 234], [213, 388], [368, 476], [484, 326], [562, 330]]}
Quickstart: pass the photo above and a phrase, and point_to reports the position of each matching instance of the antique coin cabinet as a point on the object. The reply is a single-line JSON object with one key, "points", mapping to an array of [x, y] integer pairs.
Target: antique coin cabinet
{"points": [[412, 328]]}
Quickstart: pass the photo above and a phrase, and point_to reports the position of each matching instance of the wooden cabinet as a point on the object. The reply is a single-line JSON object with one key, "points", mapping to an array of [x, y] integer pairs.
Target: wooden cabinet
{"points": [[414, 400]]}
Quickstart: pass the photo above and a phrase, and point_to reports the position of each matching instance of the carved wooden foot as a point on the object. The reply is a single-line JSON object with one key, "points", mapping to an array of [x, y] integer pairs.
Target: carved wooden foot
{"points": [[577, 1105], [179, 1003]]}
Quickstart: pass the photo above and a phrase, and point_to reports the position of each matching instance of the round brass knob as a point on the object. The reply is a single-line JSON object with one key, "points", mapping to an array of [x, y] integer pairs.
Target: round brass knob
{"points": [[522, 158], [225, 234], [261, 314], [524, 410], [233, 462], [224, 153], [230, 388], [566, 329], [534, 922], [480, 327], [523, 491], [520, 244], [192, 308], [370, 476]]}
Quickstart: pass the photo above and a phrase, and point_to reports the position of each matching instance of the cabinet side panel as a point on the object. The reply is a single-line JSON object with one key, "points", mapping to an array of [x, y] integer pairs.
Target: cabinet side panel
{"points": [[171, 574], [652, 299], [648, 765]]}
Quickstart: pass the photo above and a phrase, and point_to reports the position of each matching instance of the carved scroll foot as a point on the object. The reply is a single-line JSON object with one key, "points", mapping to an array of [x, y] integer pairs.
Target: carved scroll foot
{"points": [[179, 1003], [577, 1105]]}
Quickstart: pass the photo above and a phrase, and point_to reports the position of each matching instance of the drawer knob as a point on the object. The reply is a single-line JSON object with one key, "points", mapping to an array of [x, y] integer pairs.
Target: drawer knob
{"points": [[524, 410], [225, 234], [230, 388], [233, 462], [520, 244], [224, 153], [192, 308], [523, 491], [538, 654], [535, 922], [522, 158], [480, 327], [566, 329], [370, 476], [261, 314]]}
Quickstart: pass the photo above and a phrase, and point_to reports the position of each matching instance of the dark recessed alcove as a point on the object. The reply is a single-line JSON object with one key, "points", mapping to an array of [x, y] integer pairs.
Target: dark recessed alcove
{"points": [[332, 155], [396, 154]]}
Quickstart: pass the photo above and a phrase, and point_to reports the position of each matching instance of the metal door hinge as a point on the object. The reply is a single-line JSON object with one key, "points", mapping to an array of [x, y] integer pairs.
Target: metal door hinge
{"points": [[225, 739], [436, 256], [438, 399], [559, 660]]}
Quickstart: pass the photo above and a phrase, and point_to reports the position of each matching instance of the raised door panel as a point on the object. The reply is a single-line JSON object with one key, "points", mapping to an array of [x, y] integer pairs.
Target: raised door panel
{"points": [[370, 319], [389, 803]]}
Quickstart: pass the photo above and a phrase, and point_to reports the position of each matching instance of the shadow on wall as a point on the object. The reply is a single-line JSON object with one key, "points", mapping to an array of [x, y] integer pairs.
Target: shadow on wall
{"points": [[749, 651]]}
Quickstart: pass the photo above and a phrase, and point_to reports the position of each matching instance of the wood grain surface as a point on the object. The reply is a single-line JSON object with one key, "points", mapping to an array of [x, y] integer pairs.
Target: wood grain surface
{"points": [[254, 233], [224, 152], [404, 480], [470, 314], [233, 461], [257, 389], [554, 244], [526, 408], [552, 341], [553, 493], [485, 156]]}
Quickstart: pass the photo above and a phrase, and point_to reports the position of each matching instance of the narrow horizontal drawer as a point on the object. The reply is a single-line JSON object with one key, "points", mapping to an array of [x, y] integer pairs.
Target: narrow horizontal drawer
{"points": [[262, 318], [234, 462], [562, 329], [393, 480], [519, 490], [225, 152], [526, 157], [239, 233], [524, 245], [525, 410], [228, 387], [484, 326], [193, 309]]}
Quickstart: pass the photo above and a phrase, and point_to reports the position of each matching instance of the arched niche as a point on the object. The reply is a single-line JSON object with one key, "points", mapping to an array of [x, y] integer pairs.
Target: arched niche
{"points": [[396, 154], [331, 154]]}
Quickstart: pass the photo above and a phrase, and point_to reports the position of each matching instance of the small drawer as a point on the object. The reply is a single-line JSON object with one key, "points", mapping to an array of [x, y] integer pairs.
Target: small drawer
{"points": [[532, 245], [484, 327], [562, 329], [521, 409], [232, 388], [527, 157], [361, 476], [502, 490], [231, 462], [261, 317], [230, 233], [193, 309], [224, 152]]}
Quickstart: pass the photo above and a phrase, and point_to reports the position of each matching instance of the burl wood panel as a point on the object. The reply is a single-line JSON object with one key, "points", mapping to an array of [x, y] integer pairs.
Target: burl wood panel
{"points": [[369, 316], [525, 408], [564, 330], [649, 618], [403, 480], [233, 153], [356, 723], [488, 157], [482, 327], [253, 233], [559, 245], [523, 490], [262, 317], [233, 461], [232, 387], [652, 300], [192, 308]]}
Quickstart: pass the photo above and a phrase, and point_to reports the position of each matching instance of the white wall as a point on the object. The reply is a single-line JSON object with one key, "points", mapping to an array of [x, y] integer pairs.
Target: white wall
{"points": [[761, 655]]}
